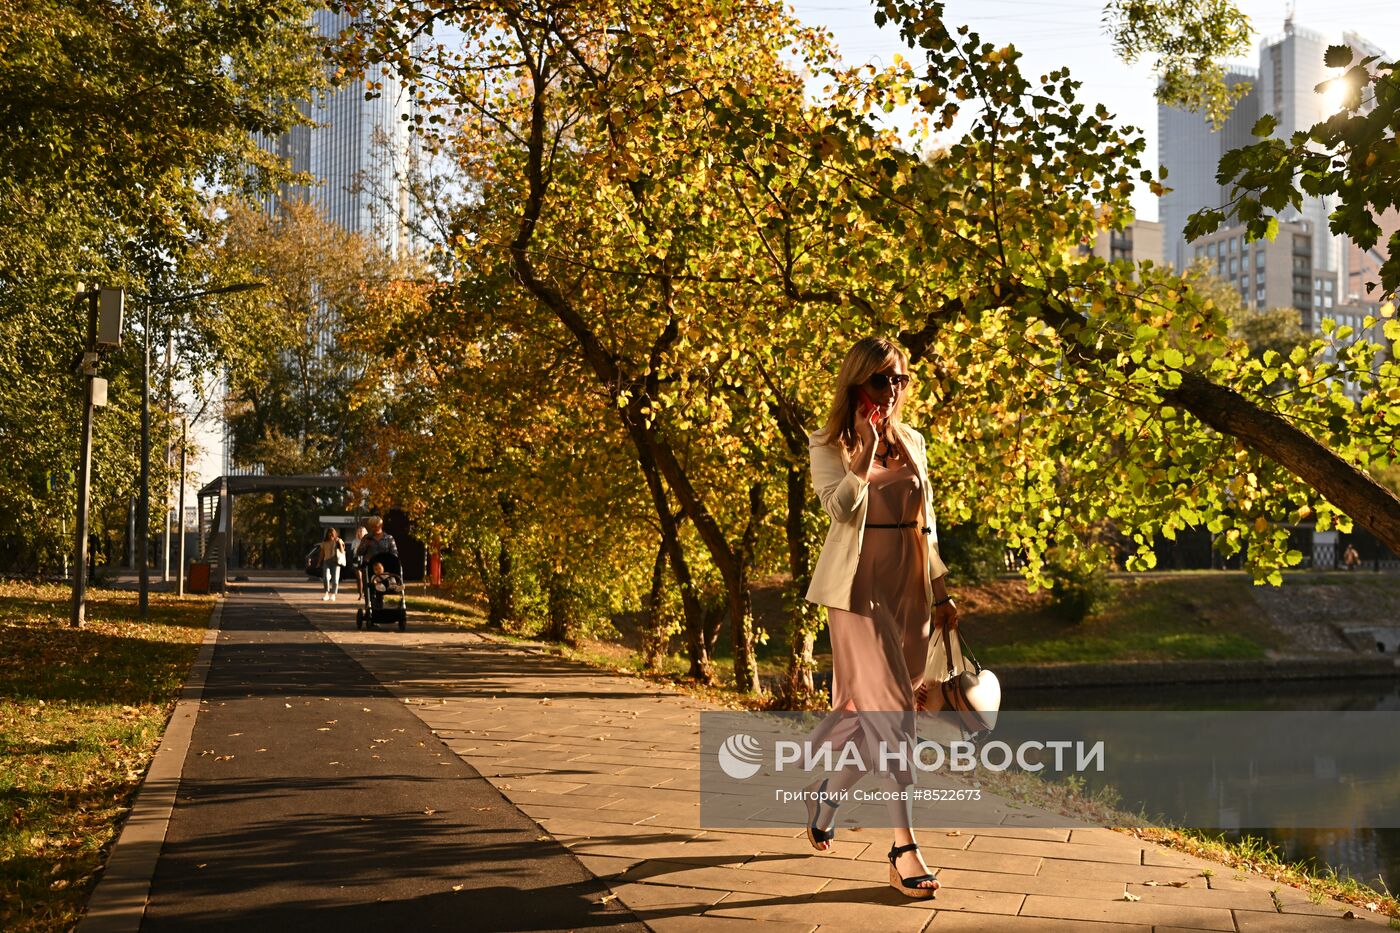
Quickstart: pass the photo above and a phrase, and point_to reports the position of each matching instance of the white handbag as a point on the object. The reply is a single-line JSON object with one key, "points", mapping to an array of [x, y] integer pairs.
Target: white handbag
{"points": [[970, 693]]}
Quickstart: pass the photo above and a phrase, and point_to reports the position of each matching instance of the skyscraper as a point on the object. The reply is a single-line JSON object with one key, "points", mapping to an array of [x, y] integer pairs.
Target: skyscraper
{"points": [[1191, 149], [360, 153], [1291, 66], [1290, 69]]}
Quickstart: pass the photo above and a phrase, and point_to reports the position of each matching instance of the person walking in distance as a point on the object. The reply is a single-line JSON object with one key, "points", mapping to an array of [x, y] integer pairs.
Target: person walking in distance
{"points": [[332, 559], [352, 553], [881, 578], [1351, 559]]}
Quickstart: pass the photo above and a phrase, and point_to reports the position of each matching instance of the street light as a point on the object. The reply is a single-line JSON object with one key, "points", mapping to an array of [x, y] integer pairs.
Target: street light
{"points": [[104, 331], [143, 504]]}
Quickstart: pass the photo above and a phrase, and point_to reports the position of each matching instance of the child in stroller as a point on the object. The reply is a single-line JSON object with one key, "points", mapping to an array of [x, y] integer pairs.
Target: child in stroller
{"points": [[384, 584]]}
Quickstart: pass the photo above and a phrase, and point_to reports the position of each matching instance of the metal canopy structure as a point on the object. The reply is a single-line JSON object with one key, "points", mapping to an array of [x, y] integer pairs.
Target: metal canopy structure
{"points": [[237, 484], [219, 542]]}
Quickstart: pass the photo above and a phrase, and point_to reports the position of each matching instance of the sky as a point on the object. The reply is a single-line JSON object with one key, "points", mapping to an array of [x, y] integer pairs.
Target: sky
{"points": [[1054, 33]]}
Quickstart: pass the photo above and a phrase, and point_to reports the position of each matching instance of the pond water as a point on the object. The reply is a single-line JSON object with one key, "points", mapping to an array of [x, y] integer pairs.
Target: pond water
{"points": [[1372, 856]]}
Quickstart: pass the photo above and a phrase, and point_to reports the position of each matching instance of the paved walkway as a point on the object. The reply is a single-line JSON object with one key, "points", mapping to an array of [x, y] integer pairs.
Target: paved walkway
{"points": [[311, 799], [608, 765], [355, 815]]}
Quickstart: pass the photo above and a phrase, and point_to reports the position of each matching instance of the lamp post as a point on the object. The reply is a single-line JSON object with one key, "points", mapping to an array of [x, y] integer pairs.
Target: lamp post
{"points": [[180, 519], [105, 308], [143, 505]]}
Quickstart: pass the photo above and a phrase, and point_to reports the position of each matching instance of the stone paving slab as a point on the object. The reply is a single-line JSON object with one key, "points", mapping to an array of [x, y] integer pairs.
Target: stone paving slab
{"points": [[1121, 911], [949, 922], [608, 765], [837, 910]]}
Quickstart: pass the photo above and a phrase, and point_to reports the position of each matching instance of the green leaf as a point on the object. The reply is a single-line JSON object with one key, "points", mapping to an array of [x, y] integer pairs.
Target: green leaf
{"points": [[1337, 56], [1265, 125]]}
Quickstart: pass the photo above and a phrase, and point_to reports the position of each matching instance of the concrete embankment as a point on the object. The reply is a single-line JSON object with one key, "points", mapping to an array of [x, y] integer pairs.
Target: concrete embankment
{"points": [[1031, 676]]}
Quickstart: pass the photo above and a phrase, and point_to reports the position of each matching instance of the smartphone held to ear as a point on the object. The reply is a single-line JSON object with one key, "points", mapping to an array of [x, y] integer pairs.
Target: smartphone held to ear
{"points": [[867, 405]]}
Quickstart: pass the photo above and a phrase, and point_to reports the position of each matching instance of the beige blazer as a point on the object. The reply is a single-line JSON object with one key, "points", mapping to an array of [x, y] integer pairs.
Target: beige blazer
{"points": [[843, 495]]}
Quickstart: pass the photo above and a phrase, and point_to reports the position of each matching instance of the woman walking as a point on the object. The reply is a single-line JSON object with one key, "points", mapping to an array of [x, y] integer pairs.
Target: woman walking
{"points": [[880, 577], [353, 555], [332, 559]]}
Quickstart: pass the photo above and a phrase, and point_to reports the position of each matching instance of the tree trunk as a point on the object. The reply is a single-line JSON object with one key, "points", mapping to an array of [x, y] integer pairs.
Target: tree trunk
{"points": [[649, 444], [655, 636], [803, 618], [1368, 503], [559, 624], [697, 647]]}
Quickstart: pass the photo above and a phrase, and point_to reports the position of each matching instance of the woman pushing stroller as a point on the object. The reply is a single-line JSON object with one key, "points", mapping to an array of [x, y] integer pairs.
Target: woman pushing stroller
{"points": [[381, 575]]}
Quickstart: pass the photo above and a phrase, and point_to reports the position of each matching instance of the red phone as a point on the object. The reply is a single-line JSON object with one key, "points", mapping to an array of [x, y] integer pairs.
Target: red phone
{"points": [[866, 403]]}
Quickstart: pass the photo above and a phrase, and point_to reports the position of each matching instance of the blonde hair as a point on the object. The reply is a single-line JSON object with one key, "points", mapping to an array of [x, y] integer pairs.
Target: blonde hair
{"points": [[869, 356], [374, 523]]}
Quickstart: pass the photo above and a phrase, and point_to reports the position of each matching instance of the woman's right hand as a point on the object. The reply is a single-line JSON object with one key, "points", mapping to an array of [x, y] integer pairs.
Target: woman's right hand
{"points": [[867, 417]]}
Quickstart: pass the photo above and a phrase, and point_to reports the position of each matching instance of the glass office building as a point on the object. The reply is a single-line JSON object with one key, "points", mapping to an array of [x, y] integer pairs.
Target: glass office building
{"points": [[1284, 85], [360, 154]]}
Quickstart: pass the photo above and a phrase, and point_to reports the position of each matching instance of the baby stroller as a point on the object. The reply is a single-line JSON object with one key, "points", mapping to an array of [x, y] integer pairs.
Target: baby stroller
{"points": [[381, 592]]}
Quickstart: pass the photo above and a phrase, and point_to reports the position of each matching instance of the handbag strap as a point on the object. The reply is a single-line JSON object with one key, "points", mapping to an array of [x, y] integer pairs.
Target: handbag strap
{"points": [[949, 637]]}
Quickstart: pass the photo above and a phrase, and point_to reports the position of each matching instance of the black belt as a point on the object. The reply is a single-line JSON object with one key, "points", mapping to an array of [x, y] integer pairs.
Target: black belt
{"points": [[925, 530]]}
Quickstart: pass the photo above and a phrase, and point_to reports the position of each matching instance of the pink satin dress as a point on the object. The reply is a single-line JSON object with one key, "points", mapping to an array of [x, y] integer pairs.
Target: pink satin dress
{"points": [[879, 647]]}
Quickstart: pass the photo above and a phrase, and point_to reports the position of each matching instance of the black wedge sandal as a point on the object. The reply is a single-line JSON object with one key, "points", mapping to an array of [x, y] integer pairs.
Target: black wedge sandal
{"points": [[910, 886], [815, 835]]}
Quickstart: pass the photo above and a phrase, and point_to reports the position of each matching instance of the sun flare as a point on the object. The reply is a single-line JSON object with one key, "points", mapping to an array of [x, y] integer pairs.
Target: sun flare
{"points": [[1334, 95]]}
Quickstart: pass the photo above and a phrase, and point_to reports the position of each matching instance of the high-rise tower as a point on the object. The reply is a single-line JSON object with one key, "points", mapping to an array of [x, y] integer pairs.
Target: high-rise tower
{"points": [[360, 153], [1291, 68], [1191, 149]]}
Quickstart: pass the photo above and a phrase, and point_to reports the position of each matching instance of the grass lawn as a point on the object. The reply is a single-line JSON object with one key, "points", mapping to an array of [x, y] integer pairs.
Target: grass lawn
{"points": [[1158, 617], [81, 713]]}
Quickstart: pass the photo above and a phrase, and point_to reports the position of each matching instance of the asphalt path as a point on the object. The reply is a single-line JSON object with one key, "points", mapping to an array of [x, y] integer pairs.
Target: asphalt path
{"points": [[312, 800]]}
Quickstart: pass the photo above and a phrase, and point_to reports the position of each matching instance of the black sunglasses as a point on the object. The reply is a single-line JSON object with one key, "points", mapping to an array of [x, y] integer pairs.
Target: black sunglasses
{"points": [[881, 381]]}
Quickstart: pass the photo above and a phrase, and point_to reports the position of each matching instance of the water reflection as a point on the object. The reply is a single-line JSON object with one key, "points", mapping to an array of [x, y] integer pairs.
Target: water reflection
{"points": [[1365, 854]]}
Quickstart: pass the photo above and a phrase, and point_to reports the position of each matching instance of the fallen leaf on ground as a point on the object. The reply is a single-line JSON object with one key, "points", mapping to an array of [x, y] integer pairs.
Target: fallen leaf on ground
{"points": [[1165, 884], [429, 812], [607, 898], [1129, 897], [458, 887], [956, 832]]}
